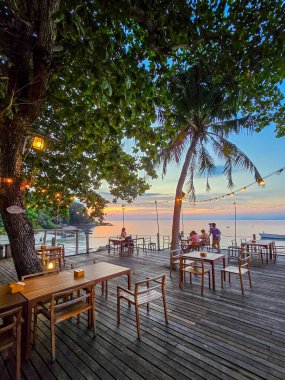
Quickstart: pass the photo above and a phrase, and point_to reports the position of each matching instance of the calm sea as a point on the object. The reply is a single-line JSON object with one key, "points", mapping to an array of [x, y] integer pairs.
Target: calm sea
{"points": [[99, 236], [244, 229]]}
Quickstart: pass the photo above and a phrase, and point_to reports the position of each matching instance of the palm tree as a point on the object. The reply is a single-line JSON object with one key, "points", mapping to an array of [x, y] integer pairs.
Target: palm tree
{"points": [[203, 113]]}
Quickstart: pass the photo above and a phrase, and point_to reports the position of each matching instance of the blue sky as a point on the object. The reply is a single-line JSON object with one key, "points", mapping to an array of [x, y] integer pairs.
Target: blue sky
{"points": [[268, 202]]}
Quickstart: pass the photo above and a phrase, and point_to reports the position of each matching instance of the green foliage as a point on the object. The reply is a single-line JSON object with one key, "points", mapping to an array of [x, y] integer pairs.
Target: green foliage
{"points": [[78, 215], [108, 65]]}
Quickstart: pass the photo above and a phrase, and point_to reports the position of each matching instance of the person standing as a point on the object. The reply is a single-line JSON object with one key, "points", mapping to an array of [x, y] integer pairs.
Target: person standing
{"points": [[216, 233]]}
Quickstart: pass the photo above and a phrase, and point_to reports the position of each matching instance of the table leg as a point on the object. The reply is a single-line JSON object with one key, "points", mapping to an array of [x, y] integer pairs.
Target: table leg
{"points": [[224, 266], [24, 331], [129, 274], [213, 275], [109, 247], [28, 330]]}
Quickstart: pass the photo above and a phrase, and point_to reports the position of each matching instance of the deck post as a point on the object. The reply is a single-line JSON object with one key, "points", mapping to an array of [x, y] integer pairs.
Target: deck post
{"points": [[45, 237], [87, 242], [158, 242], [76, 241]]}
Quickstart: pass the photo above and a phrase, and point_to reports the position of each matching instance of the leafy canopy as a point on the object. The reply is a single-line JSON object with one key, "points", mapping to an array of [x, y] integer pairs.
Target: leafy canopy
{"points": [[108, 67]]}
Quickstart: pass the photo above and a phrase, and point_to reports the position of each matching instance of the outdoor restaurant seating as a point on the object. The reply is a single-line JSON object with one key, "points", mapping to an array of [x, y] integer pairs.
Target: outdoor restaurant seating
{"points": [[54, 255], [196, 267], [175, 258], [65, 305], [10, 335], [242, 268], [234, 252], [145, 292]]}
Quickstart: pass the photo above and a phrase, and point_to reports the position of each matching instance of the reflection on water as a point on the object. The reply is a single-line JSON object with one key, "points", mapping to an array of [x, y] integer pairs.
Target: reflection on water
{"points": [[99, 235]]}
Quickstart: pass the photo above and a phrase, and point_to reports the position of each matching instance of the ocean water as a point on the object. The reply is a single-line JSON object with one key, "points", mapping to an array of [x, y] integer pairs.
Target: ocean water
{"points": [[244, 229], [99, 235]]}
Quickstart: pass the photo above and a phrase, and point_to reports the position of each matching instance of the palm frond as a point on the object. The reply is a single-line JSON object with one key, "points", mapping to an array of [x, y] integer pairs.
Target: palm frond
{"points": [[234, 157]]}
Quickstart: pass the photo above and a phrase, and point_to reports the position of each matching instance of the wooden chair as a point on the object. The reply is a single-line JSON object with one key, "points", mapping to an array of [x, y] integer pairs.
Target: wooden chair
{"points": [[185, 246], [10, 335], [65, 305], [234, 252], [39, 274], [243, 268], [175, 258], [196, 267], [165, 242], [53, 255], [104, 284], [128, 246], [144, 293]]}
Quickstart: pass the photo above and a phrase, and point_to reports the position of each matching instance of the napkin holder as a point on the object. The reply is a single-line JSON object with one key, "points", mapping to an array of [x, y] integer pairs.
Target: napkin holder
{"points": [[17, 287], [79, 273], [203, 254]]}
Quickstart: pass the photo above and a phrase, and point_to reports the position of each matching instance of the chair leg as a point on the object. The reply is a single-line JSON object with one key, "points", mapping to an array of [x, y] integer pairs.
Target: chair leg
{"points": [[35, 325], [222, 279], [148, 307], [229, 278], [209, 278], [118, 307], [202, 285], [18, 355], [138, 321], [180, 278], [249, 278], [165, 308], [241, 284], [52, 329]]}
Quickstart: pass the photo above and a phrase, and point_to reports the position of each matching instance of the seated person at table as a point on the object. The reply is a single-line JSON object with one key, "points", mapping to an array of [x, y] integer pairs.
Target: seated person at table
{"points": [[194, 239], [204, 237], [123, 233]]}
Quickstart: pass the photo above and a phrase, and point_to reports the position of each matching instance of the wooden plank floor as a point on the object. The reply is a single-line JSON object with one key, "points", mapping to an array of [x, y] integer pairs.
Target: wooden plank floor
{"points": [[222, 335]]}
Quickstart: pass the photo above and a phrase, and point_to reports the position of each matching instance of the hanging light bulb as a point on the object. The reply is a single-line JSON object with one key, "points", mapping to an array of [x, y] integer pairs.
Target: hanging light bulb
{"points": [[38, 143], [7, 180], [232, 194], [243, 189], [224, 197], [261, 182]]}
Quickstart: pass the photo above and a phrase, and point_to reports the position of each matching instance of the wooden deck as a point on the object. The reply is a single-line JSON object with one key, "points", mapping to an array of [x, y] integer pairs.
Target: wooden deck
{"points": [[222, 335]]}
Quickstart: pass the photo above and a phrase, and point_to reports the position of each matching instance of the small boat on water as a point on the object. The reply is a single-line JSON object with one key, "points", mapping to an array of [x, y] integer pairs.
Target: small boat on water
{"points": [[264, 235]]}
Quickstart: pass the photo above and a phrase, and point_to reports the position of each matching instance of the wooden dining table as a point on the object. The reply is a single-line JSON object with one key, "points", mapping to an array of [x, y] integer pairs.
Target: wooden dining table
{"points": [[258, 244], [117, 242], [40, 289], [211, 258]]}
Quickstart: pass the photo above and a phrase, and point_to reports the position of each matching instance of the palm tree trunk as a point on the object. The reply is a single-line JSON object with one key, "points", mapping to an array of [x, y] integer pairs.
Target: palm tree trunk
{"points": [[178, 195]]}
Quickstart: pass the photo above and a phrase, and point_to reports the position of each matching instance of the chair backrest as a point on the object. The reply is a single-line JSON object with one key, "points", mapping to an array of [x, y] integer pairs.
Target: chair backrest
{"points": [[14, 317], [39, 274], [59, 301], [234, 243], [243, 262], [77, 265], [176, 253], [243, 240], [150, 284]]}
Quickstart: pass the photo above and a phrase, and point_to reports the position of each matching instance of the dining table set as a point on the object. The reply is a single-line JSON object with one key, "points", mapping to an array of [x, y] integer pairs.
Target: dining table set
{"points": [[38, 290]]}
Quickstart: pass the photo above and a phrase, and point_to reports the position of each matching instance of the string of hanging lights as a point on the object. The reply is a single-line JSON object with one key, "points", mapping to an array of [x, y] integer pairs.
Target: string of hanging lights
{"points": [[240, 190]]}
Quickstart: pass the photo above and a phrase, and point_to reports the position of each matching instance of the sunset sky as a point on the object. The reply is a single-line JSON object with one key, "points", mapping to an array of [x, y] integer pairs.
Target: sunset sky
{"points": [[267, 153], [268, 202]]}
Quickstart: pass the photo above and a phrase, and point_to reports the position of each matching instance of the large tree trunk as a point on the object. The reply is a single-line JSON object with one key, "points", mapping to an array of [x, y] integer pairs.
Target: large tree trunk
{"points": [[21, 236], [178, 195], [26, 44], [18, 228]]}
